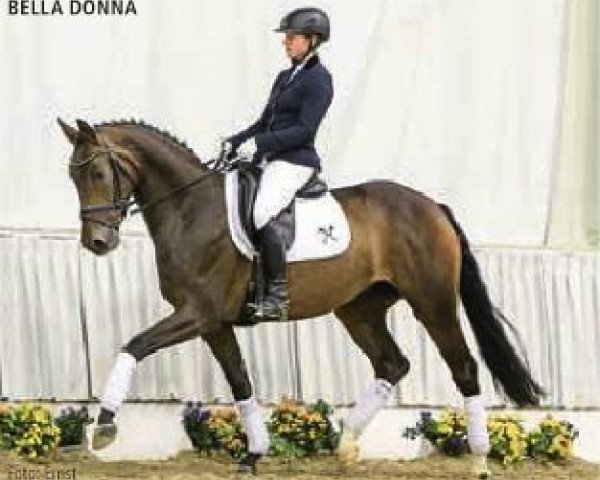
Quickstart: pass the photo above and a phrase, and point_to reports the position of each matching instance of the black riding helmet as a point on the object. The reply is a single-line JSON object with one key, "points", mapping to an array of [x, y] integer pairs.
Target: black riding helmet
{"points": [[309, 21]]}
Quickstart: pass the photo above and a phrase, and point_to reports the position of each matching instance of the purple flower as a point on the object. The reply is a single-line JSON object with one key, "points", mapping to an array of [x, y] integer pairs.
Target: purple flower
{"points": [[188, 410], [203, 415], [456, 442]]}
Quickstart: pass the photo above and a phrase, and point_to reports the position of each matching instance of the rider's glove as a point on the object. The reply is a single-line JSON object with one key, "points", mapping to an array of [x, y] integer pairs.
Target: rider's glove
{"points": [[247, 149]]}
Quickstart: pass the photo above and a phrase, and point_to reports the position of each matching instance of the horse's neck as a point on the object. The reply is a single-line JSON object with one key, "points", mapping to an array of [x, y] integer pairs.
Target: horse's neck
{"points": [[163, 170]]}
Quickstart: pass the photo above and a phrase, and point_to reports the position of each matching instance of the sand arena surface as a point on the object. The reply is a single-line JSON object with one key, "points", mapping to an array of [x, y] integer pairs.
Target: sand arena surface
{"points": [[189, 465]]}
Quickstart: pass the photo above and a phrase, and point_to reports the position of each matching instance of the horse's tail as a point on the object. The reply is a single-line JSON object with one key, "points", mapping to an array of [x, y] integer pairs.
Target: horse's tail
{"points": [[506, 366]]}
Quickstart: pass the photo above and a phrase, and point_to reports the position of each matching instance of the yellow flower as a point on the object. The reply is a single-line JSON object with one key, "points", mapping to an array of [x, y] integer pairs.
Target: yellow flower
{"points": [[444, 429], [561, 445], [39, 415], [512, 430], [515, 446]]}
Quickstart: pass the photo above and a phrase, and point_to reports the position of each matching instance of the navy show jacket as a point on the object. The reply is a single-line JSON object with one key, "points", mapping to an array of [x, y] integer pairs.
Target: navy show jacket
{"points": [[287, 127]]}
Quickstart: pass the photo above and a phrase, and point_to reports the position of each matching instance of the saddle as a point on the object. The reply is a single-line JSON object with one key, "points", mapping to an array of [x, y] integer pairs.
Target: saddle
{"points": [[314, 226], [248, 181]]}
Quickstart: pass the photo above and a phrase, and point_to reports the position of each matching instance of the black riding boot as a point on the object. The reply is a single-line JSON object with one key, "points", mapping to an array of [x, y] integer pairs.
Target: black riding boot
{"points": [[272, 252]]}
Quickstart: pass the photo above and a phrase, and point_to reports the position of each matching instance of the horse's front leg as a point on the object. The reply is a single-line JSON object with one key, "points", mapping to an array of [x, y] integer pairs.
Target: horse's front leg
{"points": [[226, 350], [184, 324]]}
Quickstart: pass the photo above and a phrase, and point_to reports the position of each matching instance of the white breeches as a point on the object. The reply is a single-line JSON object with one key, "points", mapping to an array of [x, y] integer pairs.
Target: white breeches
{"points": [[278, 185]]}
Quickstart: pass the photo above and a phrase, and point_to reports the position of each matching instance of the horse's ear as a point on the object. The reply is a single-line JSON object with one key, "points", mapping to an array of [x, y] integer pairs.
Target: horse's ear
{"points": [[87, 132], [71, 133]]}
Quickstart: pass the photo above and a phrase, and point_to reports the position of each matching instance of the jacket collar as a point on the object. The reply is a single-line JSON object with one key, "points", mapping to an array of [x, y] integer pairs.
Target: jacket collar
{"points": [[311, 62]]}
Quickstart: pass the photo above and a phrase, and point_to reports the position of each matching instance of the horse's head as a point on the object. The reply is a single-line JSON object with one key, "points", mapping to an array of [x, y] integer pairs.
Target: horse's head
{"points": [[105, 176]]}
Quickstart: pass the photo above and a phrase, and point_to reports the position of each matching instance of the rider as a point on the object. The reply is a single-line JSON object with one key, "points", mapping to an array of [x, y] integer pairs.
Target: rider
{"points": [[282, 141]]}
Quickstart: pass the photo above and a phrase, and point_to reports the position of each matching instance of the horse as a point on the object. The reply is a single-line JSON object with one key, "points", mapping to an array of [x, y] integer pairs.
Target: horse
{"points": [[404, 246]]}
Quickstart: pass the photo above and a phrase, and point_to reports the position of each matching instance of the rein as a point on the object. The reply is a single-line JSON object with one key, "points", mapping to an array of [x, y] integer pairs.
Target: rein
{"points": [[123, 203]]}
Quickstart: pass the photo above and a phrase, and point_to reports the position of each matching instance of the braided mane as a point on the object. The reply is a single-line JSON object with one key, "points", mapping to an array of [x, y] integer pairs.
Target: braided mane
{"points": [[163, 134]]}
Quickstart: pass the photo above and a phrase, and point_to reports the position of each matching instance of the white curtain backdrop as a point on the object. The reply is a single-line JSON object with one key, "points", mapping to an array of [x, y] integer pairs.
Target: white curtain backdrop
{"points": [[63, 345], [457, 98], [574, 218]]}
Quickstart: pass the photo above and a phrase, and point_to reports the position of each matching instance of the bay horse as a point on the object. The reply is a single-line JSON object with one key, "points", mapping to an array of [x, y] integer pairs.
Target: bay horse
{"points": [[404, 246]]}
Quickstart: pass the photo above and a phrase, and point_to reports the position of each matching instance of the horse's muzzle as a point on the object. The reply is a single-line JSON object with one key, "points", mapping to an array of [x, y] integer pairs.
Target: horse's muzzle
{"points": [[101, 241]]}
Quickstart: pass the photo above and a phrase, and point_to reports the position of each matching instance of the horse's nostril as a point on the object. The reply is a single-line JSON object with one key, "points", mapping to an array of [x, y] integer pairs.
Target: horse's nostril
{"points": [[99, 244]]}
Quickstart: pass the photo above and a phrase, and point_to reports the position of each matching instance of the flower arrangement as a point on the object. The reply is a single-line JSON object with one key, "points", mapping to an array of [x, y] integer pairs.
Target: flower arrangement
{"points": [[552, 440], [448, 433], [301, 430], [508, 440], [72, 425], [28, 430], [216, 429]]}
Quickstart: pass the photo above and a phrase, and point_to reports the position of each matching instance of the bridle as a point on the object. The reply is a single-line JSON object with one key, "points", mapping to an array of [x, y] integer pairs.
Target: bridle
{"points": [[121, 202]]}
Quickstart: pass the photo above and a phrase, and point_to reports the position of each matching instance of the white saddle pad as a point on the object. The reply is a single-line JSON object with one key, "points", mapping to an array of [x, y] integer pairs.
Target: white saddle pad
{"points": [[322, 230]]}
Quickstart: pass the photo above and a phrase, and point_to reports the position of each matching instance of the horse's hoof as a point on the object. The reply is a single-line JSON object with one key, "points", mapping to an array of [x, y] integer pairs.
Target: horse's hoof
{"points": [[480, 469], [348, 450], [248, 465], [244, 469], [103, 435]]}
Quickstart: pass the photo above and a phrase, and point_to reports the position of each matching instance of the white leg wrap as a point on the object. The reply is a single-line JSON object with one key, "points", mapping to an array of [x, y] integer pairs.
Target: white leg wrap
{"points": [[118, 382], [477, 433], [254, 425], [367, 406]]}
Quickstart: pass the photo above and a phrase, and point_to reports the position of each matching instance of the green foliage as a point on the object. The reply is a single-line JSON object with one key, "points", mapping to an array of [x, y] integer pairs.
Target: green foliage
{"points": [[72, 425]]}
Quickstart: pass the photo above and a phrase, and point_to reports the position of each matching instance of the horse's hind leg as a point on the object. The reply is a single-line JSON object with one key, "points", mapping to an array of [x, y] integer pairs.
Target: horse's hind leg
{"points": [[439, 315], [364, 319]]}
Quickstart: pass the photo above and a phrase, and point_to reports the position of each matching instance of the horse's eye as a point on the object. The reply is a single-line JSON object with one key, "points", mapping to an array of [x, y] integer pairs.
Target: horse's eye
{"points": [[97, 174]]}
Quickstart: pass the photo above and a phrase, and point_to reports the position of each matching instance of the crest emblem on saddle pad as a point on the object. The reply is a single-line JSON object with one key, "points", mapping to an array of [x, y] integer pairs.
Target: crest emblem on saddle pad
{"points": [[321, 229], [327, 233]]}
